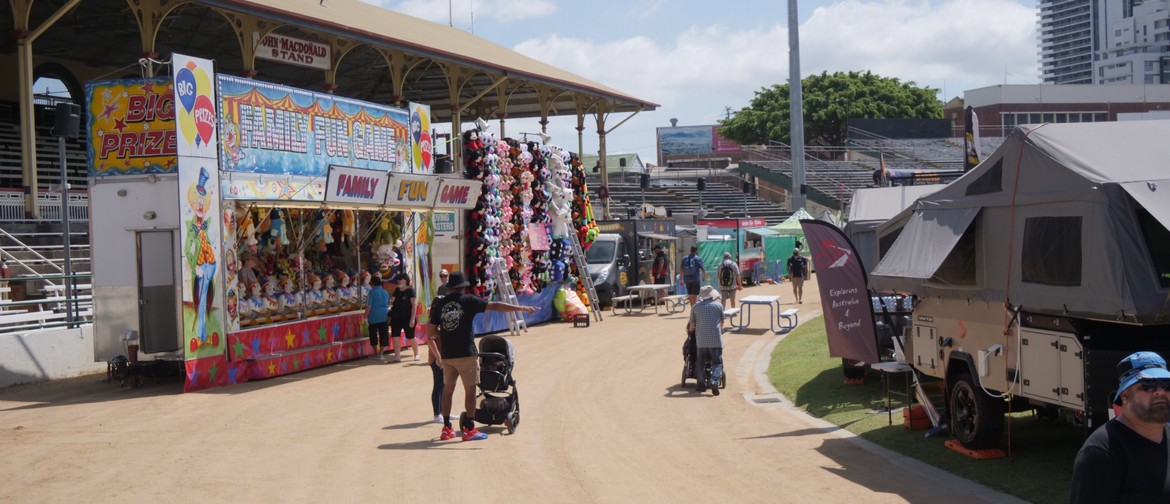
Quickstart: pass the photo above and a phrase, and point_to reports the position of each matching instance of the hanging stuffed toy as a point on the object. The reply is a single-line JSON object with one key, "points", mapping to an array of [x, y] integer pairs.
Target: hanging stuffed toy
{"points": [[349, 226], [276, 227], [382, 234]]}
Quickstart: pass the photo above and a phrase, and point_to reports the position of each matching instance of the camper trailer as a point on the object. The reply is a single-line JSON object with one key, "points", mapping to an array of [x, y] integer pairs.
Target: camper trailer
{"points": [[1036, 272]]}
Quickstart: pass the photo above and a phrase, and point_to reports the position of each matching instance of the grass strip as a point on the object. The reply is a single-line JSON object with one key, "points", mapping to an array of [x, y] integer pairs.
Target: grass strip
{"points": [[1039, 468]]}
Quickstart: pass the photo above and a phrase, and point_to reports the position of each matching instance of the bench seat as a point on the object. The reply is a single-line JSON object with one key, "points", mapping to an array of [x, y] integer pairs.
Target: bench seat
{"points": [[789, 318]]}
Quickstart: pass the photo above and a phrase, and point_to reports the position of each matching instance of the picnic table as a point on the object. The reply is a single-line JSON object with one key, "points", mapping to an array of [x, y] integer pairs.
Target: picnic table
{"points": [[745, 307]]}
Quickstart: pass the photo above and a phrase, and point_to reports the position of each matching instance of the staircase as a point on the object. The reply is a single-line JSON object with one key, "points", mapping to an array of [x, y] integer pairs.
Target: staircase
{"points": [[34, 254]]}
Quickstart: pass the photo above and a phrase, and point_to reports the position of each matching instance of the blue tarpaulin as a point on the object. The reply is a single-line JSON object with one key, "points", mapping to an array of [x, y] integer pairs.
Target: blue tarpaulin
{"points": [[492, 322]]}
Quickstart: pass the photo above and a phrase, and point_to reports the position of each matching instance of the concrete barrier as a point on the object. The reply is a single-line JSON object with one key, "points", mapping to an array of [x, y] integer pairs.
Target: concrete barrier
{"points": [[47, 354]]}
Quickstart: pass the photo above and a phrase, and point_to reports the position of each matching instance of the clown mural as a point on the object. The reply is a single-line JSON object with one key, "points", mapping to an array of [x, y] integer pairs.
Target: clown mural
{"points": [[199, 252]]}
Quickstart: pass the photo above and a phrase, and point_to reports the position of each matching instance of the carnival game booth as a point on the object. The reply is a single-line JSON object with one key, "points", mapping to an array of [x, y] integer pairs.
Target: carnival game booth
{"points": [[747, 236], [235, 223]]}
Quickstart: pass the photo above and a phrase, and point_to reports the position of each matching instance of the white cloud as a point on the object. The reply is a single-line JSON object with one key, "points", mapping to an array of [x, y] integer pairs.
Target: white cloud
{"points": [[969, 43], [965, 44], [460, 12]]}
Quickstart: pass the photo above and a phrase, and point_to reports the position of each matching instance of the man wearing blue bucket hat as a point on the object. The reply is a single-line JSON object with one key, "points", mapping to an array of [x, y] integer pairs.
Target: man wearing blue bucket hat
{"points": [[1128, 458]]}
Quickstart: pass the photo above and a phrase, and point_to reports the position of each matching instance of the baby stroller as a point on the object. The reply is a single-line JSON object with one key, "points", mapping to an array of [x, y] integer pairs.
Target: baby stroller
{"points": [[499, 401], [690, 356]]}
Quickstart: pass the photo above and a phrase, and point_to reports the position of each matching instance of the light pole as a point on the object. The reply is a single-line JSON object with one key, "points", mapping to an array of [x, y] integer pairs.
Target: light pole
{"points": [[68, 122]]}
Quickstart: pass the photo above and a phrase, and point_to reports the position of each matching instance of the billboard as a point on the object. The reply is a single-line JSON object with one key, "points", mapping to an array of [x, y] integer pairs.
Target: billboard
{"points": [[692, 141], [274, 129], [131, 125]]}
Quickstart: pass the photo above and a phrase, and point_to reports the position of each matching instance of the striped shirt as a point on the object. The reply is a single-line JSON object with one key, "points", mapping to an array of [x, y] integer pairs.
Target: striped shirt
{"points": [[707, 315]]}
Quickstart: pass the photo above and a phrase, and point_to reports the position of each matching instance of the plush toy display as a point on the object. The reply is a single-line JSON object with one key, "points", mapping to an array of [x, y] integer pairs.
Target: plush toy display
{"points": [[276, 228]]}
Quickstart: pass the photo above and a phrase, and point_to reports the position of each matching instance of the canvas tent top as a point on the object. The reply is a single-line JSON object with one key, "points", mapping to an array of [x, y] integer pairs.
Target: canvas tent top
{"points": [[791, 225], [762, 231], [827, 216], [881, 203], [1062, 218], [871, 207]]}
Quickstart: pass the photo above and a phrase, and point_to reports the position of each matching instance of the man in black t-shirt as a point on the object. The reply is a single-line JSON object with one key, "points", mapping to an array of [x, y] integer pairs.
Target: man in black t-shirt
{"points": [[1126, 460], [797, 273], [452, 337]]}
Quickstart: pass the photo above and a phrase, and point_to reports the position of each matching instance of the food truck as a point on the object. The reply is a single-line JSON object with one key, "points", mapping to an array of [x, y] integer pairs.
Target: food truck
{"points": [[638, 239], [242, 246]]}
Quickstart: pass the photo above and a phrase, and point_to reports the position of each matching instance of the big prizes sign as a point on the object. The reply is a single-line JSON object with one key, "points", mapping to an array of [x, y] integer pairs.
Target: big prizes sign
{"points": [[196, 116]]}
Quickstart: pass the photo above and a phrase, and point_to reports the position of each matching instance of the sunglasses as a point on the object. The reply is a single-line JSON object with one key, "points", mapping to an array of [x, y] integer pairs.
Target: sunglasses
{"points": [[1152, 385]]}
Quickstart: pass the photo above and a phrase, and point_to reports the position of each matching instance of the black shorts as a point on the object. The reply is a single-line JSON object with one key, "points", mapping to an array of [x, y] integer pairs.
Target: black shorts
{"points": [[402, 325], [692, 288]]}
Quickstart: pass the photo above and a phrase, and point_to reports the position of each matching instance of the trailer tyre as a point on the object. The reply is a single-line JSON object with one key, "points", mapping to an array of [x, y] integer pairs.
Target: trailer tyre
{"points": [[976, 418]]}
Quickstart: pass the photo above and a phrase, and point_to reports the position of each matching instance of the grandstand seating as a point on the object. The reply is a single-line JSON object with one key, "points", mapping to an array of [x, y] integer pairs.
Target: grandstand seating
{"points": [[682, 196], [48, 167]]}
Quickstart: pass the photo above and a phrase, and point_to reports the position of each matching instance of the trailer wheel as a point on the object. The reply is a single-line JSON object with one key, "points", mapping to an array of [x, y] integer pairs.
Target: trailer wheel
{"points": [[976, 418], [852, 370]]}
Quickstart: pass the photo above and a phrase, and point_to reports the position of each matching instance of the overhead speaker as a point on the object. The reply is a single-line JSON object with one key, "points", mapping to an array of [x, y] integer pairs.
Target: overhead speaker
{"points": [[68, 120], [702, 184], [443, 165]]}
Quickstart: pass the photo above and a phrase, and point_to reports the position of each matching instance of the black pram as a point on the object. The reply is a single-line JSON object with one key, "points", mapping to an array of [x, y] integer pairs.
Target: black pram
{"points": [[690, 356], [499, 401]]}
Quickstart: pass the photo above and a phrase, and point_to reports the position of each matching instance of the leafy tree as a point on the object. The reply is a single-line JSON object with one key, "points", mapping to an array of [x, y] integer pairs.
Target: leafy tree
{"points": [[829, 101]]}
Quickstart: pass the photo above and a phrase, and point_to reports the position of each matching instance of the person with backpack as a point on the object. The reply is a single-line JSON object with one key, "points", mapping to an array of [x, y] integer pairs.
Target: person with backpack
{"points": [[693, 273], [729, 280]]}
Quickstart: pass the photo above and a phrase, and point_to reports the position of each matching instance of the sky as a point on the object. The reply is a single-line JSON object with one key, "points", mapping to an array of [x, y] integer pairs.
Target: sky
{"points": [[697, 58]]}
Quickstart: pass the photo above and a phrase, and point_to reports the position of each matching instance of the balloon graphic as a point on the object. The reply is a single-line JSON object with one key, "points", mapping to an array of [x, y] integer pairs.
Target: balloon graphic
{"points": [[185, 88], [416, 126], [204, 116], [187, 125], [424, 149]]}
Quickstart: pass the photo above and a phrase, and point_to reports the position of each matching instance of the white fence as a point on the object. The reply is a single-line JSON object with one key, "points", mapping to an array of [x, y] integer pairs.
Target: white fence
{"points": [[49, 204]]}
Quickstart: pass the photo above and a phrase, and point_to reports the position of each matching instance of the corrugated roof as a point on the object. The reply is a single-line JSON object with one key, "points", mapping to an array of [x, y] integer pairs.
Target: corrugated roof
{"points": [[382, 27]]}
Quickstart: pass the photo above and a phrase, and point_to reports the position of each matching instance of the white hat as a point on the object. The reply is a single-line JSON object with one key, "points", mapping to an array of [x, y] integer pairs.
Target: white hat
{"points": [[708, 291]]}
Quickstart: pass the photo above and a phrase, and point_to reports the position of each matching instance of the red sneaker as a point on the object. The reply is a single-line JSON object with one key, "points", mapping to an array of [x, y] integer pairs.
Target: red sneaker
{"points": [[473, 435], [448, 433]]}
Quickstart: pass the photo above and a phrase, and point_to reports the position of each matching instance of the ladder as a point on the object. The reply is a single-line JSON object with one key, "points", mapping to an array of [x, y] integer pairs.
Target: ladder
{"points": [[583, 275], [507, 294]]}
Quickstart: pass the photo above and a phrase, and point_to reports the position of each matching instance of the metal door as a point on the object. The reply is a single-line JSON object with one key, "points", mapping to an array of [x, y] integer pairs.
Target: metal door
{"points": [[157, 309]]}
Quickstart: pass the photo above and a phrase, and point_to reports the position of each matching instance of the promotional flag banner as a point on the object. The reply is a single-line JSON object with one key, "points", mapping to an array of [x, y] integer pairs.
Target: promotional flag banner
{"points": [[844, 294], [971, 140]]}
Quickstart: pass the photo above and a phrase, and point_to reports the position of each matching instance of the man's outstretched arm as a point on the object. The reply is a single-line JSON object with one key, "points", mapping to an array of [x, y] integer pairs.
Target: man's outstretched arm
{"points": [[499, 306]]}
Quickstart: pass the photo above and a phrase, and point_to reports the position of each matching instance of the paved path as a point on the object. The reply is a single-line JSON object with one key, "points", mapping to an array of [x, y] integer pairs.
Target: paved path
{"points": [[604, 419]]}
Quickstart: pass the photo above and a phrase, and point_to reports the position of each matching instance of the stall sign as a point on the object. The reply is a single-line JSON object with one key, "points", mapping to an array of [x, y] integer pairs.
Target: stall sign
{"points": [[353, 185], [277, 190], [458, 193], [294, 51], [131, 126], [274, 129], [421, 143], [195, 97], [733, 223], [444, 222], [415, 191]]}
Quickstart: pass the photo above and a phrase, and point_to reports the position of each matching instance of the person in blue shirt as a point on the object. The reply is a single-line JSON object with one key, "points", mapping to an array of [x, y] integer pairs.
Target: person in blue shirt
{"points": [[707, 323], [693, 273], [377, 308]]}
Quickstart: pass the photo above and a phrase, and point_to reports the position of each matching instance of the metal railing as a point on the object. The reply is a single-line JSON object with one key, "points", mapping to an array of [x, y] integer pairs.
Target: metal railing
{"points": [[72, 307], [49, 204]]}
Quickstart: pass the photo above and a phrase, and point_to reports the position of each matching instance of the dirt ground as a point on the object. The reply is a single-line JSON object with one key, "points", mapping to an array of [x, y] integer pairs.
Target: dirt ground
{"points": [[604, 419]]}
